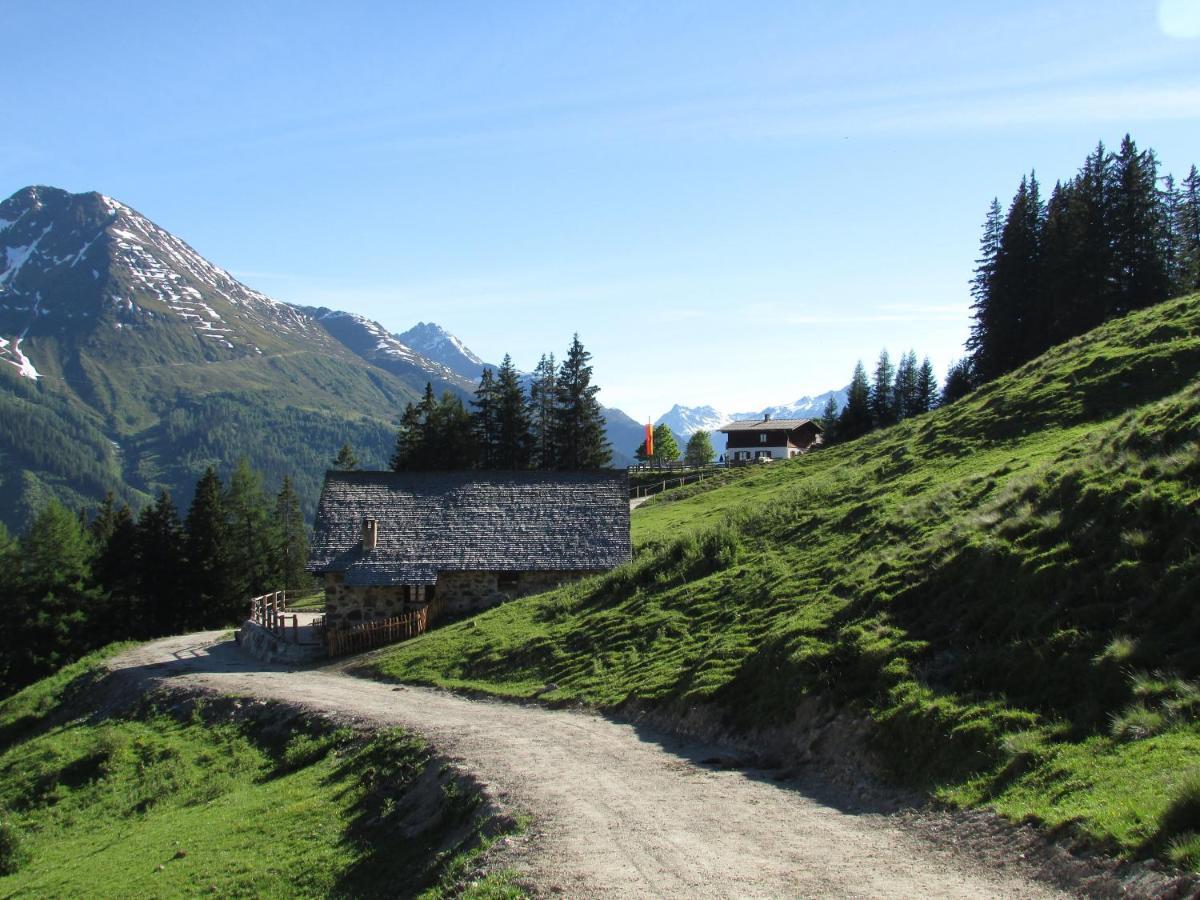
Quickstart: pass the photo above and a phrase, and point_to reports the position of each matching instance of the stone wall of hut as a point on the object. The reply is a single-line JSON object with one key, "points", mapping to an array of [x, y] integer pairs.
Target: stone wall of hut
{"points": [[456, 593]]}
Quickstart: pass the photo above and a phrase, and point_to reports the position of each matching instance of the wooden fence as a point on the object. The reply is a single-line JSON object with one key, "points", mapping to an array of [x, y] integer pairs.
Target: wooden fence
{"points": [[657, 487], [270, 611], [357, 638]]}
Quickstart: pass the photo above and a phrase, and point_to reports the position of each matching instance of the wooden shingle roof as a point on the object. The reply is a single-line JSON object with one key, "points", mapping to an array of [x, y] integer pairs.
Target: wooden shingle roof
{"points": [[432, 522]]}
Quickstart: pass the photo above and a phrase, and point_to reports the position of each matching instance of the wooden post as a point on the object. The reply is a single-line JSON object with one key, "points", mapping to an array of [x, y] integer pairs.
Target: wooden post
{"points": [[295, 629]]}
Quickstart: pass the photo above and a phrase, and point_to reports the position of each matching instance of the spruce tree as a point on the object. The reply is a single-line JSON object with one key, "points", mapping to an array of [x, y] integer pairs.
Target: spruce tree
{"points": [[855, 419], [248, 517], [291, 539], [579, 432], [699, 452], [485, 418], [1087, 285], [452, 436], [960, 381], [829, 422], [1138, 227], [116, 572], [906, 387], [415, 439], [543, 414], [165, 587], [1188, 228], [514, 435], [48, 616], [927, 388], [213, 589], [999, 342], [882, 397], [345, 461], [984, 312]]}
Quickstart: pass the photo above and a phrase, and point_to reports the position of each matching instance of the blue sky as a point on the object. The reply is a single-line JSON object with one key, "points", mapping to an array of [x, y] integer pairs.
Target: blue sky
{"points": [[730, 202]]}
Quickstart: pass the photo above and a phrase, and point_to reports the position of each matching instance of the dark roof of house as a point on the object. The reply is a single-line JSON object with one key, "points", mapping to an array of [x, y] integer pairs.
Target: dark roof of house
{"points": [[767, 425], [432, 522]]}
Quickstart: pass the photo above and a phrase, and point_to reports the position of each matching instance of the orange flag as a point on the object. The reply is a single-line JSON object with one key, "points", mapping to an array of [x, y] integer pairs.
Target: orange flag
{"points": [[649, 439]]}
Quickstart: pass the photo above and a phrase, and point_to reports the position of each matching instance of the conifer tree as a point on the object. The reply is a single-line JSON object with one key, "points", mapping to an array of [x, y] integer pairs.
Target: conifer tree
{"points": [[960, 381], [543, 414], [164, 586], [452, 436], [580, 422], [116, 572], [291, 539], [829, 422], [906, 387], [985, 270], [246, 510], [47, 615], [486, 421], [927, 388], [883, 408], [514, 436], [415, 439], [1087, 284], [855, 419], [1188, 231], [1138, 229], [345, 461], [1000, 342], [209, 555], [11, 608], [699, 452]]}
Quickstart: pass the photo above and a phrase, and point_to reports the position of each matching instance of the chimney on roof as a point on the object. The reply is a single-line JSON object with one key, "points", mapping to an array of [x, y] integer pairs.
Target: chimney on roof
{"points": [[766, 417], [370, 534]]}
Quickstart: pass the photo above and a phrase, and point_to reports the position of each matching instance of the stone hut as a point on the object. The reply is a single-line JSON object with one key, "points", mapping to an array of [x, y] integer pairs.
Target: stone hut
{"points": [[391, 542]]}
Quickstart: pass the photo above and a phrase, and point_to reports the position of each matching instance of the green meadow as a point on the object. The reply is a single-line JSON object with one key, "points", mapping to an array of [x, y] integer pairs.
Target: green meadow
{"points": [[1006, 588]]}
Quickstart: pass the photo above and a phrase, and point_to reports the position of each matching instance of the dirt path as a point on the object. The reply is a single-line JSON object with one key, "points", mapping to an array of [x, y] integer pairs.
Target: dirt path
{"points": [[620, 811]]}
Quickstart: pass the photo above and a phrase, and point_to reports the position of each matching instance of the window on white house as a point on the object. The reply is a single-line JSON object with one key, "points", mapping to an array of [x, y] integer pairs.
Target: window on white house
{"points": [[762, 438]]}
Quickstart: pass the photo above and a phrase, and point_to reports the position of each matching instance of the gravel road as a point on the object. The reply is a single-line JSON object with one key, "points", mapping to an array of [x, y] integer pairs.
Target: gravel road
{"points": [[619, 810]]}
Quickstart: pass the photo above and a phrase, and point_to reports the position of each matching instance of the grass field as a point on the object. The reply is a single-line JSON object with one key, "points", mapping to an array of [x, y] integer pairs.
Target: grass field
{"points": [[1005, 587], [201, 802]]}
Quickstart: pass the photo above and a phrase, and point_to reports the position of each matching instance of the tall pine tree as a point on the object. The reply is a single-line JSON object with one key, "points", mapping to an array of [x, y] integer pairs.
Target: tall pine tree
{"points": [[485, 419], [248, 517], [855, 419], [290, 539], [883, 407], [1138, 228], [164, 587], [580, 421], [514, 437], [213, 589], [543, 414]]}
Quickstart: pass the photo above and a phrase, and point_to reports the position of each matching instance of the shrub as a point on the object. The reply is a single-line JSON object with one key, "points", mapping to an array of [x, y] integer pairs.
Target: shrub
{"points": [[1119, 651]]}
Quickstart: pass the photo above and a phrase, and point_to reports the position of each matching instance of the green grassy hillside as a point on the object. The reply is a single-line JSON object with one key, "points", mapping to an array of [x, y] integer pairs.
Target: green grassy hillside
{"points": [[203, 801], [1006, 588]]}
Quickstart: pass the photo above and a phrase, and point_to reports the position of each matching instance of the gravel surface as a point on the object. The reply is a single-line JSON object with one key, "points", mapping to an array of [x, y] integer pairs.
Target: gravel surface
{"points": [[621, 810]]}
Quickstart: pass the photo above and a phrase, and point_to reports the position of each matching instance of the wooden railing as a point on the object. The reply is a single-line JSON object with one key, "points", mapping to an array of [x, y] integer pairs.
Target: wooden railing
{"points": [[270, 611], [357, 638], [657, 487]]}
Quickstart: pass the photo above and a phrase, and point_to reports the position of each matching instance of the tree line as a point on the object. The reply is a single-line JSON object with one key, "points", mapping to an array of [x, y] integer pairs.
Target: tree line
{"points": [[894, 393], [1114, 238], [556, 424], [73, 582]]}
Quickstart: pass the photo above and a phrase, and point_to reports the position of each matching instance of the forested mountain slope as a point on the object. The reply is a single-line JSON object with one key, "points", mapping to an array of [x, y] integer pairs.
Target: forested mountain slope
{"points": [[1005, 588], [128, 362]]}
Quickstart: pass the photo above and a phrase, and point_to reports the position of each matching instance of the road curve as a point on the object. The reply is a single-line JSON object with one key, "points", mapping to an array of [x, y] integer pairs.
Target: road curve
{"points": [[620, 811]]}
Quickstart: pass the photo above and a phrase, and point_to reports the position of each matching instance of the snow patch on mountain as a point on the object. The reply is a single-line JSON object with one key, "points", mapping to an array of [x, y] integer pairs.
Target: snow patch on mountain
{"points": [[684, 421]]}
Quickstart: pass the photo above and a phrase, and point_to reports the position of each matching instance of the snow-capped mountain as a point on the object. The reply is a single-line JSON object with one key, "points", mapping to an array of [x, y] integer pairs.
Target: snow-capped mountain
{"points": [[371, 341], [435, 343], [684, 421], [129, 362]]}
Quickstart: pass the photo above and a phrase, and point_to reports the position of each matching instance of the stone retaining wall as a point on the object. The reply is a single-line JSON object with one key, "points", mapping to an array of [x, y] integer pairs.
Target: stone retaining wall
{"points": [[269, 648]]}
